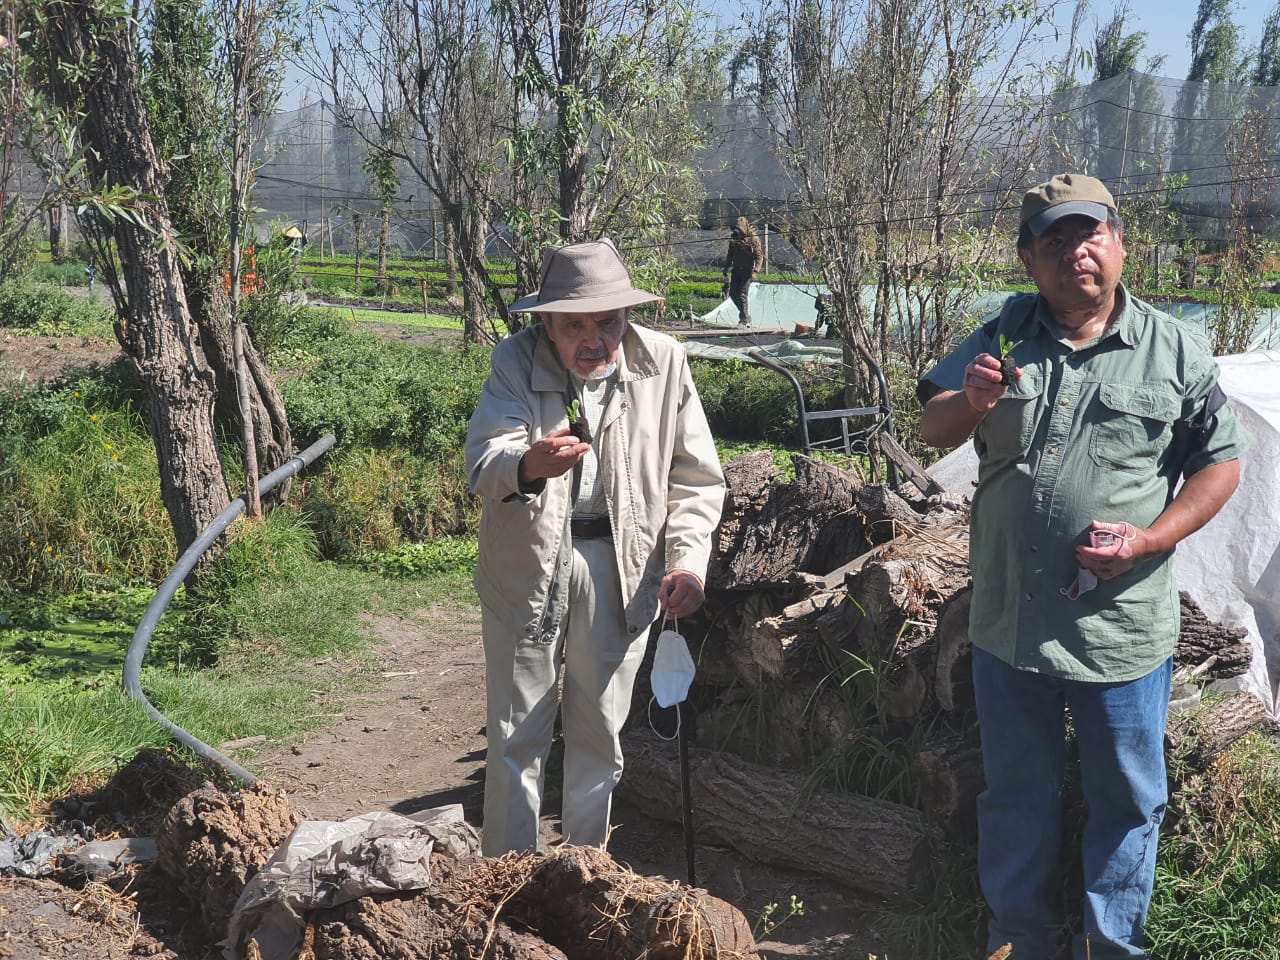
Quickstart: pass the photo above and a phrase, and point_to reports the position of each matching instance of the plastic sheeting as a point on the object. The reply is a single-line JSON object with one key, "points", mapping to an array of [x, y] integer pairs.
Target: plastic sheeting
{"points": [[1231, 567], [770, 306], [324, 863]]}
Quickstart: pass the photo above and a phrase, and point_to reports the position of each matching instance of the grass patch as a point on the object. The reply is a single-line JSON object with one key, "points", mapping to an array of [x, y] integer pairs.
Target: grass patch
{"points": [[287, 644], [409, 319], [1218, 876], [44, 310], [51, 738]]}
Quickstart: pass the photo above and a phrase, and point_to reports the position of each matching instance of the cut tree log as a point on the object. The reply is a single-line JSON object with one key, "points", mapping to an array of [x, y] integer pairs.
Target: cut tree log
{"points": [[1200, 638], [1200, 738], [951, 778], [860, 844], [807, 525], [901, 591], [952, 654], [885, 514]]}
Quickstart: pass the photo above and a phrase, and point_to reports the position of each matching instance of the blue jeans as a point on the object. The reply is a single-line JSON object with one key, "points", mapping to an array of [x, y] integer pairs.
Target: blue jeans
{"points": [[1119, 729]]}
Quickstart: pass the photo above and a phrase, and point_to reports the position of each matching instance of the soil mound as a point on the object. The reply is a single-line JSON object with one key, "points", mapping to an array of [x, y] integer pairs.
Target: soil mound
{"points": [[575, 904], [212, 843]]}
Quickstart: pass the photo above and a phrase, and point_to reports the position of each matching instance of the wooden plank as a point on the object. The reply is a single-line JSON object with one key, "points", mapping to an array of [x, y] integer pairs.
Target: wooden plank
{"points": [[909, 465]]}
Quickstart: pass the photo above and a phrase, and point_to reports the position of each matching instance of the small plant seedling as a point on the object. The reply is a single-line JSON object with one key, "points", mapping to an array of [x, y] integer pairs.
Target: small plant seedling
{"points": [[578, 426], [1008, 367]]}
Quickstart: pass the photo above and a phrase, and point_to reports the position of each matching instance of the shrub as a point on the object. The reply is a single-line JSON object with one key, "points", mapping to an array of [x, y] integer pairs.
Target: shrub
{"points": [[68, 274], [371, 393], [79, 483], [41, 309], [745, 401], [279, 548], [362, 500]]}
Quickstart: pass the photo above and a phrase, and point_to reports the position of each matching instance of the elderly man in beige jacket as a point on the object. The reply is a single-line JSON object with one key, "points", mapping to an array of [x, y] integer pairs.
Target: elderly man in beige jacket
{"points": [[584, 539]]}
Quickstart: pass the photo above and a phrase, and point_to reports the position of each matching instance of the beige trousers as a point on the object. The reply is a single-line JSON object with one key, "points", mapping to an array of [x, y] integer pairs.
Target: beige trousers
{"points": [[601, 660]]}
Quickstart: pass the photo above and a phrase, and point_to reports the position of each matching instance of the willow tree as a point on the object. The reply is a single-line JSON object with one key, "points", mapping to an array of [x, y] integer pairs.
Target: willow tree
{"points": [[209, 77], [903, 167], [419, 82], [605, 134], [92, 72]]}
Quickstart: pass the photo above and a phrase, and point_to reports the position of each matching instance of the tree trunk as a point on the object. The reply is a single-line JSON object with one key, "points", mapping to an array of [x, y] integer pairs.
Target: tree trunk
{"points": [[858, 843], [155, 326], [384, 243], [59, 233], [271, 434], [1200, 739]]}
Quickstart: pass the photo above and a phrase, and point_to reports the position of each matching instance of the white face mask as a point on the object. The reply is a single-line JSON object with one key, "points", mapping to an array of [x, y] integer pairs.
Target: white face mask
{"points": [[673, 669]]}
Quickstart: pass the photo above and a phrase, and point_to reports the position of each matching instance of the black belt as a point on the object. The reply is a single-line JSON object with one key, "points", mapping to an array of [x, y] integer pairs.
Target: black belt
{"points": [[590, 528]]}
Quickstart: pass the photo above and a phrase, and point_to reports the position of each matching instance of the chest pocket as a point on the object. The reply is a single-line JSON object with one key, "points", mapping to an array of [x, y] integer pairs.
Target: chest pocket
{"points": [[1133, 425], [1007, 431]]}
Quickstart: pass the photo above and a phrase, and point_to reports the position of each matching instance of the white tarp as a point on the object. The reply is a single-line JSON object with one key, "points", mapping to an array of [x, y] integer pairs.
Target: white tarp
{"points": [[771, 306], [324, 863], [1231, 567]]}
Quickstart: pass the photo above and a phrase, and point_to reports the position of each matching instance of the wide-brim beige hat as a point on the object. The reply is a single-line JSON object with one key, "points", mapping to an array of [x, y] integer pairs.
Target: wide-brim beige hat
{"points": [[582, 278]]}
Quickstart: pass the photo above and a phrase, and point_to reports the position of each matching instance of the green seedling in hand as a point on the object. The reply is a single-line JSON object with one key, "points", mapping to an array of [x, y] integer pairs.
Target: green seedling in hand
{"points": [[578, 426], [1008, 368]]}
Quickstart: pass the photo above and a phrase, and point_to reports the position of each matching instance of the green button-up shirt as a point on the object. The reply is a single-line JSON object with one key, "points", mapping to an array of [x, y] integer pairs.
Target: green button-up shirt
{"points": [[1101, 431]]}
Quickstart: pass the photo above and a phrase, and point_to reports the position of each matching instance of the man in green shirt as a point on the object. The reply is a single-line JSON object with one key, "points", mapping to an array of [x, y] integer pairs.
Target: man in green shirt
{"points": [[1074, 523]]}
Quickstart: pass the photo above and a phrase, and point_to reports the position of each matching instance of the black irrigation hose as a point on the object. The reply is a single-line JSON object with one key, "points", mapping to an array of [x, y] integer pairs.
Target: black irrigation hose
{"points": [[155, 609]]}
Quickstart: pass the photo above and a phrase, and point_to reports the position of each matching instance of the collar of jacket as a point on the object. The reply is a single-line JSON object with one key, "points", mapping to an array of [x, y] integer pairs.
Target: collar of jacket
{"points": [[635, 361]]}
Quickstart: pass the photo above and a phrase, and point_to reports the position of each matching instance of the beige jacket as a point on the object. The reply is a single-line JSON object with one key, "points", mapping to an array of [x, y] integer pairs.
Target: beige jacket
{"points": [[662, 478]]}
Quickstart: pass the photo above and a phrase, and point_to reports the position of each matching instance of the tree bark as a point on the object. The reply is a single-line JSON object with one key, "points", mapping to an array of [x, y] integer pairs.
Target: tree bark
{"points": [[272, 437], [1201, 738], [155, 327], [1200, 639], [807, 525], [858, 843]]}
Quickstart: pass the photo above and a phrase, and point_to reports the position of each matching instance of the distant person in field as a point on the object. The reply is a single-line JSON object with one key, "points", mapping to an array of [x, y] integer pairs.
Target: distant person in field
{"points": [[601, 492], [742, 265], [1082, 440]]}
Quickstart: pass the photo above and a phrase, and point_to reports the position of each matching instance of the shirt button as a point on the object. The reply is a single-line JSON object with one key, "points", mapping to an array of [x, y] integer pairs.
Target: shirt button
{"points": [[1053, 449], [1035, 548], [1062, 403], [1027, 597], [1040, 497]]}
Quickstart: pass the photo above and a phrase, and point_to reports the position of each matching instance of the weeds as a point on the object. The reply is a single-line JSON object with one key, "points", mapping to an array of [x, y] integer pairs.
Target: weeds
{"points": [[78, 493], [38, 308], [1218, 877], [769, 921]]}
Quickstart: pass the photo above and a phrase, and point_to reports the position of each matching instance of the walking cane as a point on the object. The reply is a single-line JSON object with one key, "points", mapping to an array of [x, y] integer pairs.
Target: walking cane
{"points": [[686, 794], [672, 673]]}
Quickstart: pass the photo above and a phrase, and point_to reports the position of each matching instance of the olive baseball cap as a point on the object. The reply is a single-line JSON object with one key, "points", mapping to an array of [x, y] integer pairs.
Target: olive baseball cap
{"points": [[1062, 196]]}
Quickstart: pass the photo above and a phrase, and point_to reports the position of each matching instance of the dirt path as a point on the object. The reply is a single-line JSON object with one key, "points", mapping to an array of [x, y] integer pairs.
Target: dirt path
{"points": [[414, 739]]}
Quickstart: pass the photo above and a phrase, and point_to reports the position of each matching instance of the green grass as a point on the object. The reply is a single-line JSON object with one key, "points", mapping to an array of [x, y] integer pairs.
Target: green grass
{"points": [[286, 644], [410, 319], [1218, 876], [79, 504]]}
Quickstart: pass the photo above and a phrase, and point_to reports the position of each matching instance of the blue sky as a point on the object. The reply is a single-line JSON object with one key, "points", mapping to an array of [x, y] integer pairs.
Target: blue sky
{"points": [[1166, 23]]}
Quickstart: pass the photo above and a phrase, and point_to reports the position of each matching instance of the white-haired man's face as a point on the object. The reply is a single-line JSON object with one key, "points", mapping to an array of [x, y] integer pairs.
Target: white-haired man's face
{"points": [[587, 343]]}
